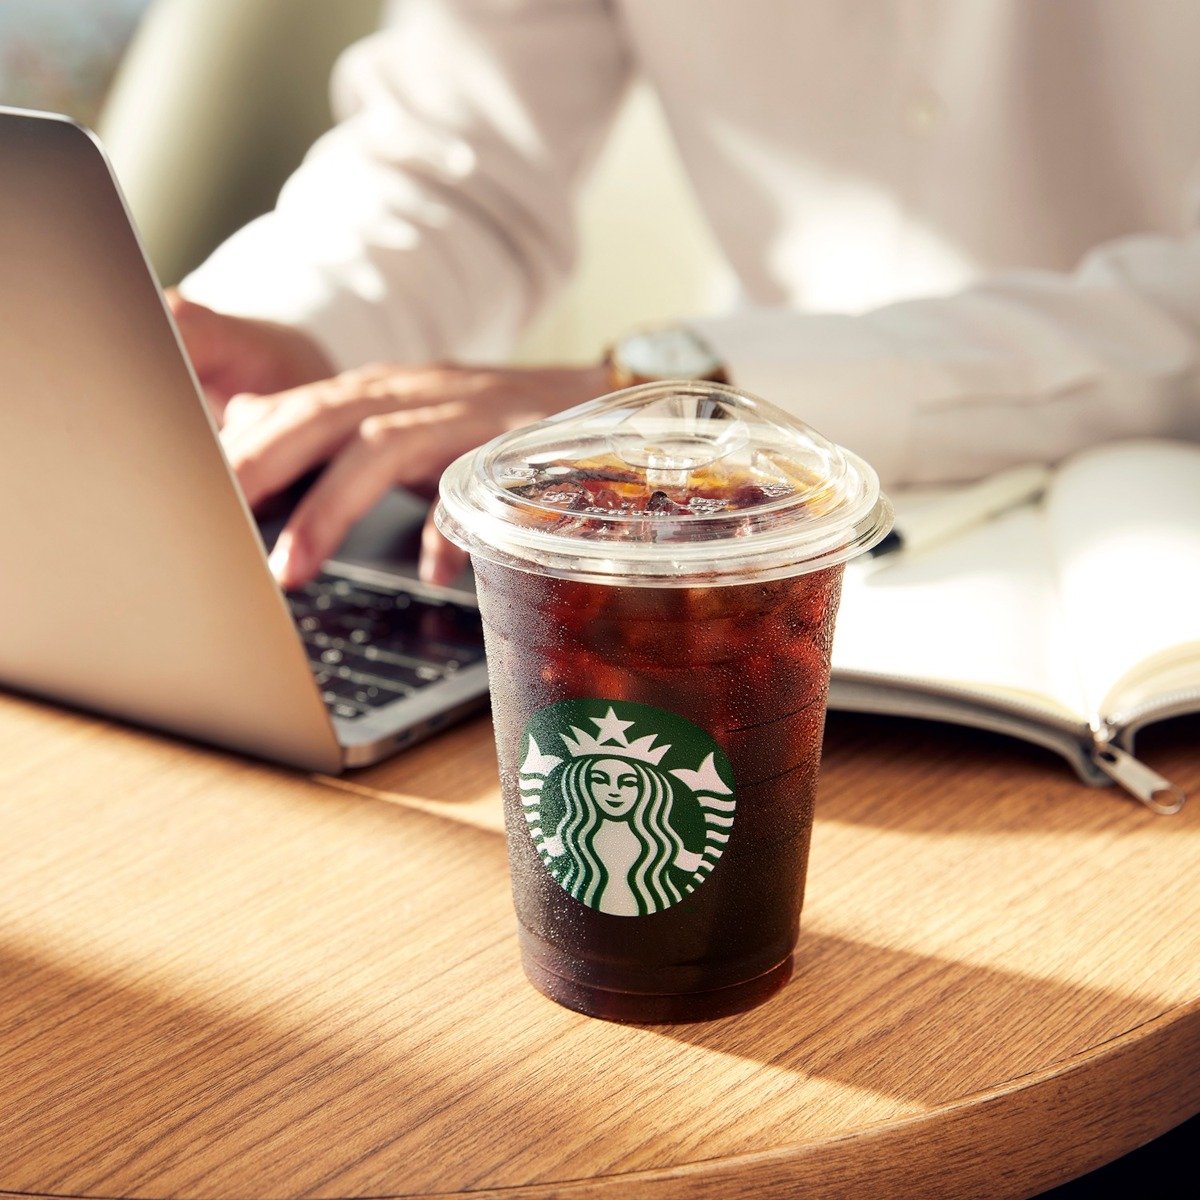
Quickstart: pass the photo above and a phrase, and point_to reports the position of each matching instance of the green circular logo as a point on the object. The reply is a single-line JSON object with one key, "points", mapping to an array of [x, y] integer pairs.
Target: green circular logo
{"points": [[629, 806]]}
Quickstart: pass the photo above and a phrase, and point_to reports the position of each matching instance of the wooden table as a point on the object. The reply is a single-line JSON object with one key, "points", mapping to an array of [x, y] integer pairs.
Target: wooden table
{"points": [[221, 979]]}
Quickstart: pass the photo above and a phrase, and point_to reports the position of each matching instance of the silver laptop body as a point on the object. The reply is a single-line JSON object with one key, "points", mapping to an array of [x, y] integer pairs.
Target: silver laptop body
{"points": [[133, 580]]}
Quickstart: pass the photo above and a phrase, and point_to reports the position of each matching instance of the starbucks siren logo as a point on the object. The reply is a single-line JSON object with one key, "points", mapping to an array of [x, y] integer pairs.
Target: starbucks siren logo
{"points": [[617, 823]]}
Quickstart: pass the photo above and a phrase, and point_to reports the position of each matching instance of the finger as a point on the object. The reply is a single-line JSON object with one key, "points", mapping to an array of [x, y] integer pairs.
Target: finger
{"points": [[215, 343], [442, 562], [199, 331], [204, 333], [217, 403], [241, 410], [295, 431], [353, 483]]}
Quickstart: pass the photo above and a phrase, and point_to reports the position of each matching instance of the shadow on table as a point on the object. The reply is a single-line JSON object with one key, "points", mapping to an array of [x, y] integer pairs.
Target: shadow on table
{"points": [[456, 766], [937, 1010], [452, 775], [898, 1023], [106, 1080]]}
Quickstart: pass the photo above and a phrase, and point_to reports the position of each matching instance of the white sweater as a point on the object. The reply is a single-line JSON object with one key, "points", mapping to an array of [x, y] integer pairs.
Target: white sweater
{"points": [[962, 230]]}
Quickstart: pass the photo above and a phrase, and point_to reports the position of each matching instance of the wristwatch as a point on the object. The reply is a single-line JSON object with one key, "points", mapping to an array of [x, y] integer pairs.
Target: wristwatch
{"points": [[655, 353]]}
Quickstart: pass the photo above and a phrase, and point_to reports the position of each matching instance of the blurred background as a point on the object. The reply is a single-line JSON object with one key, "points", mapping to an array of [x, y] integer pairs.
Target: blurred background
{"points": [[206, 106], [62, 54]]}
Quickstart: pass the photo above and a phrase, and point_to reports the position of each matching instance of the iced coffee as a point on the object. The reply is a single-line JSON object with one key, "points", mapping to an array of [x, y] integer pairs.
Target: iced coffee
{"points": [[658, 576]]}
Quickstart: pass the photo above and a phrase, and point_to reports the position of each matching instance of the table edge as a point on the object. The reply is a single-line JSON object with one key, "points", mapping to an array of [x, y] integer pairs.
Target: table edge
{"points": [[1105, 1101]]}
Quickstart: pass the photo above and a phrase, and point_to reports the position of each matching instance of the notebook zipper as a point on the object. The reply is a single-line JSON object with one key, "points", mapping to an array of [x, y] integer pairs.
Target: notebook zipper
{"points": [[1156, 793], [1174, 704]]}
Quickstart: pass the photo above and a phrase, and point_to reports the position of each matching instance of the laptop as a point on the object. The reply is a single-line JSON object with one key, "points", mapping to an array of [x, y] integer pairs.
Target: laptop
{"points": [[133, 578]]}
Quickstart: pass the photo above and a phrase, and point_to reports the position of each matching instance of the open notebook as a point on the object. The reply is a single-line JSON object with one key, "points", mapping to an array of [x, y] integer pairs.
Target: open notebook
{"points": [[1073, 620]]}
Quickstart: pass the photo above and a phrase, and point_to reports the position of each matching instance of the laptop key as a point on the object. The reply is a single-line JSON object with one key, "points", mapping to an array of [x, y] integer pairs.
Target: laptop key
{"points": [[369, 646], [376, 697], [417, 649], [405, 662], [381, 689], [339, 627], [337, 688], [364, 690]]}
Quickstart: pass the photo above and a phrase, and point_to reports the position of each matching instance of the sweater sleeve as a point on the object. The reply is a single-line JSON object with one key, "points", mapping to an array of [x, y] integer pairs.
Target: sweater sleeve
{"points": [[1023, 367], [436, 217]]}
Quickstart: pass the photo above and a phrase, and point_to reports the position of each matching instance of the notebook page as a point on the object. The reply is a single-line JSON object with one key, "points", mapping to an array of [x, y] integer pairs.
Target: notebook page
{"points": [[979, 612], [1125, 525]]}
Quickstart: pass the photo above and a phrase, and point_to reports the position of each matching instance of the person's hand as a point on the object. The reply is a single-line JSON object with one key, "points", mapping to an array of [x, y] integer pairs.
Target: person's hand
{"points": [[379, 427], [238, 354]]}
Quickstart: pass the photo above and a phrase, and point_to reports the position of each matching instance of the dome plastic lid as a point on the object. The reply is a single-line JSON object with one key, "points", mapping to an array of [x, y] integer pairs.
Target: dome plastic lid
{"points": [[675, 484]]}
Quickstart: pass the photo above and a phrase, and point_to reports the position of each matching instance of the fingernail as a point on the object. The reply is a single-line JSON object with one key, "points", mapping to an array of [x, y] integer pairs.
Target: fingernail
{"points": [[280, 560]]}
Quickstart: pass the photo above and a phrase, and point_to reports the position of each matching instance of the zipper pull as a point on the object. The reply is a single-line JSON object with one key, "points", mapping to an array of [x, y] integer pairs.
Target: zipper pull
{"points": [[1156, 793]]}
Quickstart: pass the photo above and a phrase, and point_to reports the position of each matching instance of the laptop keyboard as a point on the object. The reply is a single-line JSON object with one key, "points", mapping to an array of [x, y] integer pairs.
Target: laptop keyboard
{"points": [[369, 646]]}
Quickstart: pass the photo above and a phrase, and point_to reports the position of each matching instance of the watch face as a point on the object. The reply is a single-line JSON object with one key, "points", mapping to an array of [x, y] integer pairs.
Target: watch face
{"points": [[671, 353]]}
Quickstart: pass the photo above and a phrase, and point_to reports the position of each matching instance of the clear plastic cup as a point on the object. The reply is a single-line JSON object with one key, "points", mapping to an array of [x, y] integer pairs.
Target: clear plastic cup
{"points": [[658, 573]]}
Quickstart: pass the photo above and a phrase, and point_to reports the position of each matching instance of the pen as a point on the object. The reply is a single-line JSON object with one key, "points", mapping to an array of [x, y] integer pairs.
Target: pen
{"points": [[971, 506]]}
